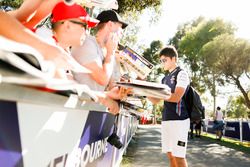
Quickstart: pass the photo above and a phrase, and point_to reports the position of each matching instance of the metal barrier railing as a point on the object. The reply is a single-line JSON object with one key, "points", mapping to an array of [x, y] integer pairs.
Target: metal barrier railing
{"points": [[239, 130]]}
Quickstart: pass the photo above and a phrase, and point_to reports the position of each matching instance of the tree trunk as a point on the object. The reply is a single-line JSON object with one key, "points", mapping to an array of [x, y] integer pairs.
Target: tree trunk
{"points": [[244, 93]]}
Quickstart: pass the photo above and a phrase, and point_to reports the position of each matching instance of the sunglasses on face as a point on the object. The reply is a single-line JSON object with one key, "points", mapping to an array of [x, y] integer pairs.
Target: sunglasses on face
{"points": [[84, 25]]}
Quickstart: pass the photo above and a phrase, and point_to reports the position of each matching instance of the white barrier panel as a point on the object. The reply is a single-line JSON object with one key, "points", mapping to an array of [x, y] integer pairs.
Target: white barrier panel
{"points": [[36, 130]]}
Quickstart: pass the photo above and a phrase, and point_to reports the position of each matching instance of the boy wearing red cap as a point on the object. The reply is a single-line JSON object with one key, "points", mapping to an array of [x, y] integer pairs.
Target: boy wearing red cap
{"points": [[62, 12], [23, 35], [69, 30], [69, 23]]}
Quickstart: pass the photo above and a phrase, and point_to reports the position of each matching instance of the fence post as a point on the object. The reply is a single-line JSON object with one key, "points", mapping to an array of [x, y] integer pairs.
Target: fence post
{"points": [[240, 122], [224, 129], [206, 121]]}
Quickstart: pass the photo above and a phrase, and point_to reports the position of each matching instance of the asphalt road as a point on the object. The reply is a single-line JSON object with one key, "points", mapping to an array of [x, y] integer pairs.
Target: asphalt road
{"points": [[145, 151]]}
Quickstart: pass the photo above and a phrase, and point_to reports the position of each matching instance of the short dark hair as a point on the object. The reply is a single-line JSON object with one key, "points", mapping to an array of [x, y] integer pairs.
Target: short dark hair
{"points": [[169, 51], [218, 108]]}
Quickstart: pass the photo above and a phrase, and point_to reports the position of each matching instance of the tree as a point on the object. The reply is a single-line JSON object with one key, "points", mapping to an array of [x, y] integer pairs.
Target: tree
{"points": [[182, 30], [135, 6], [236, 108], [190, 38], [12, 3], [193, 41], [151, 53], [124, 5], [229, 58]]}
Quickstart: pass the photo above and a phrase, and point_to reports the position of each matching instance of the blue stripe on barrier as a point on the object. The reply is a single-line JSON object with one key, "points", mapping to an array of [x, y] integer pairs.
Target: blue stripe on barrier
{"points": [[99, 125], [232, 130], [246, 131], [10, 144]]}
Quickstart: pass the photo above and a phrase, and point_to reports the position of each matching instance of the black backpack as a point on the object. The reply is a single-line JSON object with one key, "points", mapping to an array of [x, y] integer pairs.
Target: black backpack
{"points": [[196, 110]]}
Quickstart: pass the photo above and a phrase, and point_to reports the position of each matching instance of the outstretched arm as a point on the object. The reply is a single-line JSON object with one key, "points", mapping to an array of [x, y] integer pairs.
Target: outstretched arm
{"points": [[26, 10], [14, 30], [33, 12]]}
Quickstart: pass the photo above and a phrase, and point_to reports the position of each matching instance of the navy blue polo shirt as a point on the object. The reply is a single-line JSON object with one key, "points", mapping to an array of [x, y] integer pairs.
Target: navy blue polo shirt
{"points": [[171, 110]]}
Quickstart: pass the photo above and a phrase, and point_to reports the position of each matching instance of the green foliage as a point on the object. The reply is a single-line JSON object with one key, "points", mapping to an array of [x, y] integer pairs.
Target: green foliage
{"points": [[11, 3], [135, 6], [230, 60], [236, 108], [182, 30], [151, 53], [190, 39], [131, 12], [214, 55], [124, 5], [191, 44], [230, 56], [157, 110]]}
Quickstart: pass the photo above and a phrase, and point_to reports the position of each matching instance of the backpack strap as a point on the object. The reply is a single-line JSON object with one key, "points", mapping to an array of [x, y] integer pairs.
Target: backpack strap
{"points": [[178, 70], [176, 74]]}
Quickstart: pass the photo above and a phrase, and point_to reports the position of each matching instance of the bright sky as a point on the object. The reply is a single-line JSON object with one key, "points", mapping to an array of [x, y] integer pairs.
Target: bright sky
{"points": [[176, 12]]}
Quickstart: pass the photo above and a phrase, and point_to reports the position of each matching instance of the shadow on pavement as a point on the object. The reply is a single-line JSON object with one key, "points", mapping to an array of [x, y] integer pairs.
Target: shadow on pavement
{"points": [[145, 151]]}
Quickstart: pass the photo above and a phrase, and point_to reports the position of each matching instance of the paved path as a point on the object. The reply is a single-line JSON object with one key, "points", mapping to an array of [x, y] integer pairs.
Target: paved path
{"points": [[145, 151]]}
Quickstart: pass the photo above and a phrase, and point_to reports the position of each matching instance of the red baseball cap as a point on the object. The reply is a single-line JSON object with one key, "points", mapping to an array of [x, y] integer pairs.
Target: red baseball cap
{"points": [[62, 11]]}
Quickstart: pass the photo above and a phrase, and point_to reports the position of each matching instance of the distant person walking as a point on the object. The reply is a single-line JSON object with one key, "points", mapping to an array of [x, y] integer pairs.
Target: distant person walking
{"points": [[191, 133], [218, 123], [197, 128], [175, 120], [198, 124]]}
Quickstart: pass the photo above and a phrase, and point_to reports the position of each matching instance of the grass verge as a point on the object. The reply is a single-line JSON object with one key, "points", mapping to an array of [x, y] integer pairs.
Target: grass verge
{"points": [[231, 143], [126, 161]]}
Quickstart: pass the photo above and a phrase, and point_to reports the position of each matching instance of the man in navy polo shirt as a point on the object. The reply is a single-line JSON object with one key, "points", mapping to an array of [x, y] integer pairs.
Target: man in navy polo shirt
{"points": [[175, 120]]}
